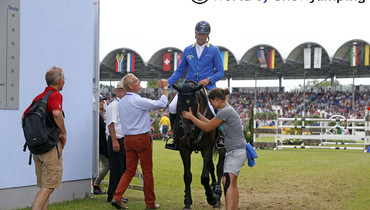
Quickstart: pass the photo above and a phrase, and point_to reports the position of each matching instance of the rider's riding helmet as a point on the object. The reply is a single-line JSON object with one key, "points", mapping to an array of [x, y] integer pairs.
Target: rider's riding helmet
{"points": [[203, 27]]}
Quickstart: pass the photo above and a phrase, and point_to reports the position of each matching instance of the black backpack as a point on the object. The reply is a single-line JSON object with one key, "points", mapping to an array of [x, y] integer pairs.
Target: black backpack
{"points": [[39, 128]]}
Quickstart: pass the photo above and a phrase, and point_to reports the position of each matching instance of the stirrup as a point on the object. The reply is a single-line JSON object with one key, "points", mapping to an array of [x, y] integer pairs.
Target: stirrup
{"points": [[172, 145], [220, 143]]}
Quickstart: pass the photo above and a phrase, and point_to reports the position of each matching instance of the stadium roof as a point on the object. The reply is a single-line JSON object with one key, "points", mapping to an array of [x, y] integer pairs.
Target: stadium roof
{"points": [[249, 66]]}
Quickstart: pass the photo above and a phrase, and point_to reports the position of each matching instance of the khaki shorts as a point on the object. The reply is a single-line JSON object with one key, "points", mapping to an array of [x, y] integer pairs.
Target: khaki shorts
{"points": [[49, 168]]}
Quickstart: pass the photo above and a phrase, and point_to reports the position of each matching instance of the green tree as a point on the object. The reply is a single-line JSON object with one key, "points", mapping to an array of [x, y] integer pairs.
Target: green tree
{"points": [[155, 124], [249, 137], [179, 82], [328, 83], [152, 84]]}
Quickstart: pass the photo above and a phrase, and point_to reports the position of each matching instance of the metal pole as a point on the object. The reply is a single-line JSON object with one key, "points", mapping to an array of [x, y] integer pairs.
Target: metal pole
{"points": [[95, 92], [304, 93], [255, 89], [353, 90], [228, 83], [280, 83]]}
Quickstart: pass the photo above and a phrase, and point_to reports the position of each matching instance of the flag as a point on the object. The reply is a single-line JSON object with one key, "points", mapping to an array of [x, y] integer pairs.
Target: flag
{"points": [[119, 62], [317, 58], [262, 58], [367, 55], [130, 62], [177, 60], [225, 59], [167, 62], [307, 58], [272, 59], [354, 55]]}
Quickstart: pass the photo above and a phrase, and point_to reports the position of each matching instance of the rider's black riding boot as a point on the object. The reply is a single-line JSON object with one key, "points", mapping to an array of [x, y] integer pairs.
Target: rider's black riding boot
{"points": [[220, 141], [173, 145]]}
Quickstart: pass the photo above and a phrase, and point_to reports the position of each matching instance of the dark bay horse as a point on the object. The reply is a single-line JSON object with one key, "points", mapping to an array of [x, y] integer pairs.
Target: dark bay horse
{"points": [[190, 138]]}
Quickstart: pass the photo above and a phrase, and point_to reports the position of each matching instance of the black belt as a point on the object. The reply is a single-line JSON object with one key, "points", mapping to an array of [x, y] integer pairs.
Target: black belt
{"points": [[117, 138]]}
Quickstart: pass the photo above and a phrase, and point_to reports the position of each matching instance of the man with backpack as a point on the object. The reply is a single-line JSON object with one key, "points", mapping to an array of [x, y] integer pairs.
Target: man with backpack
{"points": [[49, 165]]}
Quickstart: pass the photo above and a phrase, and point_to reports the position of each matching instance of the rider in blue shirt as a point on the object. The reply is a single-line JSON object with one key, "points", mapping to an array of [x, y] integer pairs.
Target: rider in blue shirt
{"points": [[204, 64]]}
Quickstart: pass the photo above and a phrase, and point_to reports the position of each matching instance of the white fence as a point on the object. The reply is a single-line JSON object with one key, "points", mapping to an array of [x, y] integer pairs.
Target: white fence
{"points": [[349, 130]]}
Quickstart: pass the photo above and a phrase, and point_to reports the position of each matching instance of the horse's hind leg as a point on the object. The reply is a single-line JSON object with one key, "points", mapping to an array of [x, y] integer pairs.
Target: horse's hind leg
{"points": [[185, 156], [220, 172], [215, 185]]}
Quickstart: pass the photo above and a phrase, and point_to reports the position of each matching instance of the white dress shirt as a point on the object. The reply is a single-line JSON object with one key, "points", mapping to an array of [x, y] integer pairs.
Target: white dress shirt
{"points": [[112, 116], [199, 49], [134, 112]]}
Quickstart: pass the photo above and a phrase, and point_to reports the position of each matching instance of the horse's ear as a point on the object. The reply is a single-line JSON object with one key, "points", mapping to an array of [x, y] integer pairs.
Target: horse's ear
{"points": [[176, 87], [198, 87]]}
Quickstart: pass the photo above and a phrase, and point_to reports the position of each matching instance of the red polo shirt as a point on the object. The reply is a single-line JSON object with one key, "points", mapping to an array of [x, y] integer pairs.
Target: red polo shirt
{"points": [[54, 102]]}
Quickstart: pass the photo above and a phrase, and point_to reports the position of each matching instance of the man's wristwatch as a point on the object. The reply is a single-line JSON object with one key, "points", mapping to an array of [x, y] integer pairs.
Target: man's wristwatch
{"points": [[209, 79], [165, 88]]}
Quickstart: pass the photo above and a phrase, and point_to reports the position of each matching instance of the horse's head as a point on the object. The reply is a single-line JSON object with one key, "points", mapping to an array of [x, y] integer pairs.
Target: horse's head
{"points": [[187, 98]]}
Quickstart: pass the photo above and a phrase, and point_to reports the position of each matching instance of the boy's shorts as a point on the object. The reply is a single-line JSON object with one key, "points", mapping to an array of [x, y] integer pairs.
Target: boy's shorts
{"points": [[49, 168]]}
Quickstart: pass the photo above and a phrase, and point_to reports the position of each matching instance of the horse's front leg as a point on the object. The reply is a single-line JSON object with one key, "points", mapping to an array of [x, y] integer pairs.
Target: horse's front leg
{"points": [[207, 159], [185, 156]]}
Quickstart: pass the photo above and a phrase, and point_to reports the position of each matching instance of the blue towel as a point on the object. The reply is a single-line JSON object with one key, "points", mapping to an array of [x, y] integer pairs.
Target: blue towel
{"points": [[251, 154]]}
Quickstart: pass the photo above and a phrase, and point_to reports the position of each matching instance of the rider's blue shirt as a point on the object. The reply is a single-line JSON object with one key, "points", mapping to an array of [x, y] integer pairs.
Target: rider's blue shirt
{"points": [[208, 65]]}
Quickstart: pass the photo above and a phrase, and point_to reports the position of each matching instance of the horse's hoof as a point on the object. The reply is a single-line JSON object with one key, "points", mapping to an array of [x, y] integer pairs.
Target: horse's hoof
{"points": [[217, 205], [186, 208], [212, 201]]}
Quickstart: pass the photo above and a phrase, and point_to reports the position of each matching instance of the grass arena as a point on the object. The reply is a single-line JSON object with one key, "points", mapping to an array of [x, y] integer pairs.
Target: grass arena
{"points": [[281, 179], [324, 173]]}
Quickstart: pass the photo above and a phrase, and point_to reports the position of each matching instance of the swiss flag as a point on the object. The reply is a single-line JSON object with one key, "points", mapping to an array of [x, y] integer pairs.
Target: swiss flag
{"points": [[167, 62]]}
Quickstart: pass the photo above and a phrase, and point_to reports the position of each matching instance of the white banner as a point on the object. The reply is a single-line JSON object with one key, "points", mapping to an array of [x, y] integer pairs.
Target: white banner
{"points": [[317, 58], [307, 58]]}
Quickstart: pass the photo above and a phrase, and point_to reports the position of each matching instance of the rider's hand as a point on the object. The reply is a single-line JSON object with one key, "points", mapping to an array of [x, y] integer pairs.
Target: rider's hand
{"points": [[164, 83], [204, 82]]}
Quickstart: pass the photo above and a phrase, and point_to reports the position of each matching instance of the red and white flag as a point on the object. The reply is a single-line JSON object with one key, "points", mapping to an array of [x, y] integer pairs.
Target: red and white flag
{"points": [[167, 62]]}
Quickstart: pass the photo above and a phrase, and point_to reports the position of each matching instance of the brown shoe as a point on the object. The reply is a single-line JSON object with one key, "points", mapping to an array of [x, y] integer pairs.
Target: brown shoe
{"points": [[156, 206], [118, 204]]}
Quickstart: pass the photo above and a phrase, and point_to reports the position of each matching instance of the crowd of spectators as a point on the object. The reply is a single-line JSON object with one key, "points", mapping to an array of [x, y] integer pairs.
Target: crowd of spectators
{"points": [[293, 103]]}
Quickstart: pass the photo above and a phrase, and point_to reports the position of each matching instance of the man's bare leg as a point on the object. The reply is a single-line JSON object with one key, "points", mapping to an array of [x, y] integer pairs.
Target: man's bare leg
{"points": [[42, 199]]}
